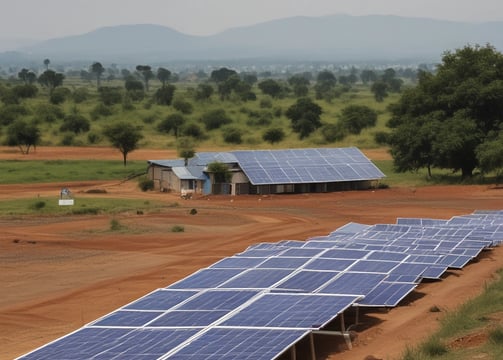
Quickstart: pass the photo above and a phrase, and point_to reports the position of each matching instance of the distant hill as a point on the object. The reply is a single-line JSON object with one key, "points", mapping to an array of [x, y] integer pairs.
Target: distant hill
{"points": [[327, 38]]}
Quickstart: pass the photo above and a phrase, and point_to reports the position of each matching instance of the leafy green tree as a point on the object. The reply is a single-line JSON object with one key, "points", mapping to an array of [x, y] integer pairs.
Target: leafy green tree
{"points": [[27, 76], [221, 172], [380, 90], [51, 79], [183, 106], [490, 154], [274, 135], [249, 78], [300, 85], [124, 136], [163, 75], [368, 76], [186, 149], [214, 119], [204, 92], [48, 113], [453, 111], [222, 74], [271, 87], [23, 134], [12, 112], [334, 132], [305, 116], [355, 118], [76, 123], [164, 95], [325, 84], [97, 69], [172, 123], [193, 130], [146, 73], [59, 95], [25, 91], [46, 63]]}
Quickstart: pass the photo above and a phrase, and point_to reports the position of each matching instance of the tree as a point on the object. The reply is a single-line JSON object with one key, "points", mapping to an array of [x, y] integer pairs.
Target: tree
{"points": [[172, 123], [325, 84], [449, 115], [368, 76], [300, 85], [163, 75], [270, 87], [97, 69], [123, 136], [355, 118], [305, 116], [490, 154], [23, 134], [164, 95], [186, 149], [110, 95], [46, 63], [222, 74], [232, 135], [380, 90], [51, 79], [28, 76], [220, 171], [147, 74], [204, 92], [76, 123]]}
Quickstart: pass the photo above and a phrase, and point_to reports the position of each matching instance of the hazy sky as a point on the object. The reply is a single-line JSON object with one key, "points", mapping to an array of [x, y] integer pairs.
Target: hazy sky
{"points": [[42, 19]]}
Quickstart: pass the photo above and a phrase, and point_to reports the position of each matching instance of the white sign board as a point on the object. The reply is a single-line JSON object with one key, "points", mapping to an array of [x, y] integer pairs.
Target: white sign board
{"points": [[65, 202]]}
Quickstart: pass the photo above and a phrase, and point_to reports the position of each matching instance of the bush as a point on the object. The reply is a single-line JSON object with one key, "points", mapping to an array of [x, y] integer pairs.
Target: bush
{"points": [[334, 132], [146, 184], [172, 123], [101, 110], [68, 139], [177, 229], [48, 113], [164, 95], [433, 347], [94, 138], [273, 135], [184, 107], [193, 130], [115, 225], [136, 95], [75, 123], [9, 113], [39, 205], [355, 118], [110, 95], [265, 102], [193, 212], [25, 91], [80, 95], [215, 119], [232, 135], [381, 137], [59, 95]]}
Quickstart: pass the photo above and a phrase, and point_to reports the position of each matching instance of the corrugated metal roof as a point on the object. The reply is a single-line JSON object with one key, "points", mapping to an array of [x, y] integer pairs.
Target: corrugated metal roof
{"points": [[168, 163]]}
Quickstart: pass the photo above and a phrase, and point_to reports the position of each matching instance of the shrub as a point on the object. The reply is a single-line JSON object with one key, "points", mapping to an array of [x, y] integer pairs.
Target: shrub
{"points": [[59, 95], [110, 95], [146, 184], [215, 119], [68, 139], [94, 138], [177, 229], [115, 225], [434, 347], [48, 113], [193, 212], [355, 118], [39, 205], [333, 132], [164, 95], [232, 135], [381, 137], [80, 95], [193, 130], [75, 123], [496, 336], [101, 110], [25, 91], [183, 106], [273, 135], [9, 113], [265, 102], [172, 123]]}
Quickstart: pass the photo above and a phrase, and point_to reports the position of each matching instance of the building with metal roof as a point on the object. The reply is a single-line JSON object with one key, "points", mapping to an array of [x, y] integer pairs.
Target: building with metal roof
{"points": [[268, 172]]}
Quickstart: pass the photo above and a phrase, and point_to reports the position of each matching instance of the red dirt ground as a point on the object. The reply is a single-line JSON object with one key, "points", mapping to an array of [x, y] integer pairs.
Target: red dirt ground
{"points": [[60, 272]]}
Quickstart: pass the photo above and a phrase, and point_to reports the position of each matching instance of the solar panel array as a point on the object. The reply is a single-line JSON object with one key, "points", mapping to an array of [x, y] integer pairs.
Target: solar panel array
{"points": [[258, 303], [295, 166]]}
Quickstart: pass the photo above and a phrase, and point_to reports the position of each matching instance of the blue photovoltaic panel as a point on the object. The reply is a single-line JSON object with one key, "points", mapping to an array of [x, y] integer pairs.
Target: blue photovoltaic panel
{"points": [[242, 344], [307, 281], [345, 254], [160, 300], [434, 272], [127, 318], [374, 266], [401, 278], [283, 263], [330, 264], [455, 261], [353, 283], [410, 269], [290, 311], [206, 279], [387, 294], [185, 318], [257, 279], [218, 300], [387, 255], [262, 253], [238, 262], [306, 166], [103, 343], [301, 252]]}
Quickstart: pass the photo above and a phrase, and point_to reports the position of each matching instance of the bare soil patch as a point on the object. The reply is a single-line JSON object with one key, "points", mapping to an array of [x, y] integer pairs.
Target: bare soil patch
{"points": [[59, 273]]}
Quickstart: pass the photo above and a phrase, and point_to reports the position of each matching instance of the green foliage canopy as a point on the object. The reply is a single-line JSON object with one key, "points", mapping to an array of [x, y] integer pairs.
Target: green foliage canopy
{"points": [[123, 136], [444, 120]]}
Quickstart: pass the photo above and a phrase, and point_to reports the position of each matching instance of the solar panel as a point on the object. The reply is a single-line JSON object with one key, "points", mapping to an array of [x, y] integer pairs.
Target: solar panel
{"points": [[307, 281], [243, 344], [128, 318], [112, 343], [257, 279], [206, 279], [387, 294], [353, 283], [299, 311], [218, 300], [160, 300]]}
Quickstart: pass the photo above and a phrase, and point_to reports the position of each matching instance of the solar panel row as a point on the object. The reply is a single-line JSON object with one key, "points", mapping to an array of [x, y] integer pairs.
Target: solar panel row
{"points": [[256, 304]]}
